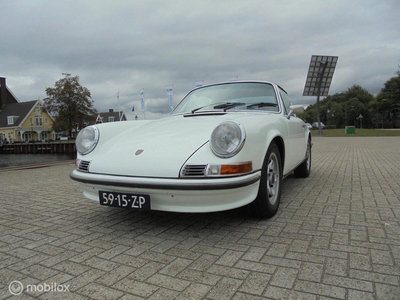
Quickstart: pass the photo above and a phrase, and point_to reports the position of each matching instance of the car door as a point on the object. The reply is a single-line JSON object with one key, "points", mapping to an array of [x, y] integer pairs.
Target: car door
{"points": [[295, 143]]}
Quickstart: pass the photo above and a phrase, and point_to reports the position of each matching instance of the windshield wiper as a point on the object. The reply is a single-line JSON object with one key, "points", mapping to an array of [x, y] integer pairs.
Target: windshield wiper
{"points": [[228, 105], [262, 104], [196, 109], [225, 106]]}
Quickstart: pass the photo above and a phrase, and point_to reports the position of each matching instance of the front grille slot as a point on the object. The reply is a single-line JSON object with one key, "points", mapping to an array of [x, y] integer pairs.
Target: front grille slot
{"points": [[84, 166], [194, 171]]}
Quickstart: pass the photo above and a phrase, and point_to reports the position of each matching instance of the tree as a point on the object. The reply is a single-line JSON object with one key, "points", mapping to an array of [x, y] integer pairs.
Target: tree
{"points": [[353, 109], [334, 114], [388, 102], [70, 104], [379, 109], [362, 95], [344, 108]]}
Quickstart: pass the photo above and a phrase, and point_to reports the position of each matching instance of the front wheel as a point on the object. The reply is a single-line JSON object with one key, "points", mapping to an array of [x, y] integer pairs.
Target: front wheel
{"points": [[269, 193]]}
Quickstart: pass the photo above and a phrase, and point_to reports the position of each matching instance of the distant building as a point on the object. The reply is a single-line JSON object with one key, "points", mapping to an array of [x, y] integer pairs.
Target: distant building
{"points": [[22, 121], [110, 116]]}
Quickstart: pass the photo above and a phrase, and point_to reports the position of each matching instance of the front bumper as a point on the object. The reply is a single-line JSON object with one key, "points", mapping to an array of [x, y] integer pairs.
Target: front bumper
{"points": [[177, 195]]}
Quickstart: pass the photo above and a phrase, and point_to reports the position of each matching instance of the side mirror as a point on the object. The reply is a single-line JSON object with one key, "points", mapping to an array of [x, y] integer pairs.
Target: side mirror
{"points": [[295, 110]]}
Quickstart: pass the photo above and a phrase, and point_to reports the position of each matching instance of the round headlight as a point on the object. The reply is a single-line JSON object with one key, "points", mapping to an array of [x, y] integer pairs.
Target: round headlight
{"points": [[227, 139], [87, 140]]}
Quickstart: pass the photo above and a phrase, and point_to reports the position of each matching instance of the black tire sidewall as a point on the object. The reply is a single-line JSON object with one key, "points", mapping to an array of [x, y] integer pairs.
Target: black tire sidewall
{"points": [[261, 205], [304, 169]]}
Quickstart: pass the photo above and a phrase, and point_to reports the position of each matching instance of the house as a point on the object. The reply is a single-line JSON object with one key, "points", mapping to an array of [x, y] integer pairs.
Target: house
{"points": [[22, 121], [110, 116]]}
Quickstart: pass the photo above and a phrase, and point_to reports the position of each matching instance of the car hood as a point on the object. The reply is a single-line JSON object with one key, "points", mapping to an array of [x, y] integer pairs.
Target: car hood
{"points": [[157, 148]]}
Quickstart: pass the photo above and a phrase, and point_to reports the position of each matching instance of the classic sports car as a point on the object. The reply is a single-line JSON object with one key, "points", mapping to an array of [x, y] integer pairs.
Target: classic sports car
{"points": [[224, 146]]}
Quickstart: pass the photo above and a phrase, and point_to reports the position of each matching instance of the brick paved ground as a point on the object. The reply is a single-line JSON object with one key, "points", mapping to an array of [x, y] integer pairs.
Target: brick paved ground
{"points": [[336, 236]]}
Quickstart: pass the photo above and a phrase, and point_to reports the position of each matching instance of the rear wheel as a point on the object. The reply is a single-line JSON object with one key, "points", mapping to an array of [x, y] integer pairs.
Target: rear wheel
{"points": [[304, 169], [269, 193]]}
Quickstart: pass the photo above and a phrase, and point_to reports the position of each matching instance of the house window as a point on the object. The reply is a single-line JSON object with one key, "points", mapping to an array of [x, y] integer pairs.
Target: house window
{"points": [[11, 120], [39, 121], [110, 119], [27, 136], [43, 135]]}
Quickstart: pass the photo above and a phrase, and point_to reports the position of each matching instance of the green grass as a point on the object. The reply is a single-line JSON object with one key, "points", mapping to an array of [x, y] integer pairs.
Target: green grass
{"points": [[359, 132]]}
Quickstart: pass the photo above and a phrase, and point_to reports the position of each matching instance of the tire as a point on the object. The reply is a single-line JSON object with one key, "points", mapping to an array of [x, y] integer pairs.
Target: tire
{"points": [[268, 198], [304, 169]]}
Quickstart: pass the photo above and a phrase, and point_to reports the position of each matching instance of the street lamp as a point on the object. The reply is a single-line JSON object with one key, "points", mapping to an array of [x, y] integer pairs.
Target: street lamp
{"points": [[327, 117], [360, 117]]}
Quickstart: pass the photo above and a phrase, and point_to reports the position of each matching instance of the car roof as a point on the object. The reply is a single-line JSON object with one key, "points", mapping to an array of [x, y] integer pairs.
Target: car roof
{"points": [[239, 81]]}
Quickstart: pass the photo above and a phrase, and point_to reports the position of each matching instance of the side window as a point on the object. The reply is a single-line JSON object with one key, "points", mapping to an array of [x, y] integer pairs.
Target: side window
{"points": [[286, 101]]}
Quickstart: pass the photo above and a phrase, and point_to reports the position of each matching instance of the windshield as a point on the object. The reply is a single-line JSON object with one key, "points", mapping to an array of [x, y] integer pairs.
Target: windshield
{"points": [[240, 96]]}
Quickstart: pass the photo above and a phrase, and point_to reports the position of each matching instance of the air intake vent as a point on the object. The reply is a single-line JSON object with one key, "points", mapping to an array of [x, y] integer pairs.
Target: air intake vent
{"points": [[84, 166], [193, 171]]}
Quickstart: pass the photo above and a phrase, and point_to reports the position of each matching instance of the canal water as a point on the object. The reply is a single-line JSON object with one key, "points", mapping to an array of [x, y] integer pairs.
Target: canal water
{"points": [[11, 160]]}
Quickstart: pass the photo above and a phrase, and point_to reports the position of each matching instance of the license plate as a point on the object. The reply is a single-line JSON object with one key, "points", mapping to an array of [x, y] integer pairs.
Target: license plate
{"points": [[135, 201]]}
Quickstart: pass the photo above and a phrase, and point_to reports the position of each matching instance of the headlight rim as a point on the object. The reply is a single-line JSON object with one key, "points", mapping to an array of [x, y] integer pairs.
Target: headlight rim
{"points": [[224, 153], [94, 142]]}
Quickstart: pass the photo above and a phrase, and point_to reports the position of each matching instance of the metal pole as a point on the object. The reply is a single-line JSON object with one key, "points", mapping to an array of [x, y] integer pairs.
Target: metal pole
{"points": [[321, 75]]}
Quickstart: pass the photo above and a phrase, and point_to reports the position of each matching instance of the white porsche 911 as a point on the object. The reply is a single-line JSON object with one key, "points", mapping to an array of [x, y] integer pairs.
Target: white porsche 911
{"points": [[224, 146]]}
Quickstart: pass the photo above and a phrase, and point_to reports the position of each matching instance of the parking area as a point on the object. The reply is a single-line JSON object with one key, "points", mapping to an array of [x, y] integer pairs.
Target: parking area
{"points": [[336, 236]]}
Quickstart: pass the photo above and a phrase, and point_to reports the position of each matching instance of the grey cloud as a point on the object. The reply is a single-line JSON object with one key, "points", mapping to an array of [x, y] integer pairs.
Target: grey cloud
{"points": [[129, 45]]}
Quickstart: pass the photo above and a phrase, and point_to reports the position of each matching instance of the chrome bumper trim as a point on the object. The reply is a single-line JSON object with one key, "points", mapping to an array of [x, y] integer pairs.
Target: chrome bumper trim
{"points": [[166, 183]]}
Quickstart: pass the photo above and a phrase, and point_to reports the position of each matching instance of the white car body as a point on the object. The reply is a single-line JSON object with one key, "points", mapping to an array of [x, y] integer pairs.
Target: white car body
{"points": [[162, 158]]}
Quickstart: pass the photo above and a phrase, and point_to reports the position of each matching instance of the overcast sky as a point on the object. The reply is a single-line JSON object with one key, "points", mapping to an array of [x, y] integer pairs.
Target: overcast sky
{"points": [[124, 46]]}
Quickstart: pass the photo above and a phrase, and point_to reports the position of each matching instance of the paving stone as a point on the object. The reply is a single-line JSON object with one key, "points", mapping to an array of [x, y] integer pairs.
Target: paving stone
{"points": [[254, 254], [194, 291], [229, 258], [255, 283], [335, 236], [166, 294], [360, 295], [168, 282], [112, 277], [224, 289], [311, 271], [175, 267], [384, 291], [97, 291], [320, 289], [71, 267], [284, 277], [228, 272], [347, 282], [199, 277]]}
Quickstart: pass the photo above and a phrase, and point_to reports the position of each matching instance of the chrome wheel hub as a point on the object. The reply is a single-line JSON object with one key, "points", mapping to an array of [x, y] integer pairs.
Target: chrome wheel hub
{"points": [[273, 178]]}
